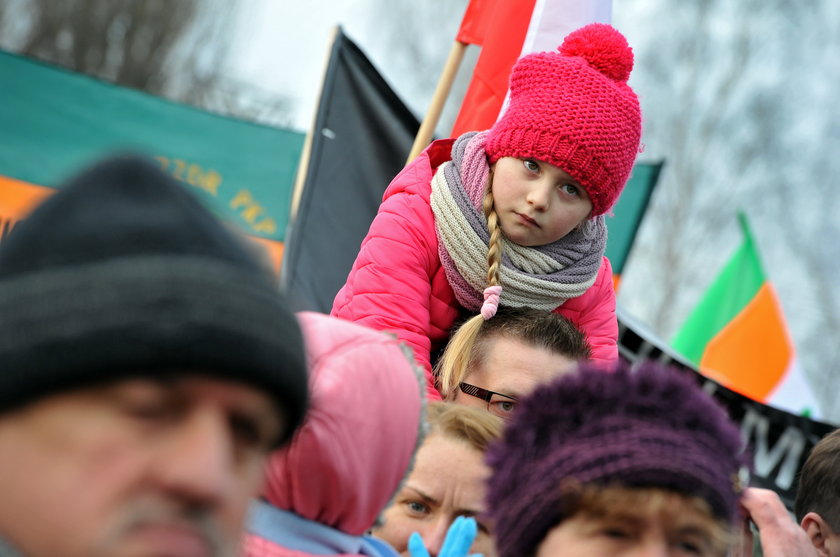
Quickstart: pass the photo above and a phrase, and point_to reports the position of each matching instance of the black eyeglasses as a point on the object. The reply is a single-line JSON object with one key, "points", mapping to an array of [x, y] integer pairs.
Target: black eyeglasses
{"points": [[497, 403]]}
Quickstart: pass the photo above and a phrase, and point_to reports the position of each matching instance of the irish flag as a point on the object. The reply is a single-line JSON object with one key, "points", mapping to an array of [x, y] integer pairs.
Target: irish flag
{"points": [[737, 335], [507, 30]]}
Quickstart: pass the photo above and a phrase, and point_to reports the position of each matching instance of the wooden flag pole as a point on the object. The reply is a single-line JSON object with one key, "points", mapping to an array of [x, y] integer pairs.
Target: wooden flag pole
{"points": [[306, 153], [427, 128]]}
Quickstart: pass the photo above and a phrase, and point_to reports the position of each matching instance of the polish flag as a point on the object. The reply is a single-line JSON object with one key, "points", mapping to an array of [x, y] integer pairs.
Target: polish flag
{"points": [[507, 30]]}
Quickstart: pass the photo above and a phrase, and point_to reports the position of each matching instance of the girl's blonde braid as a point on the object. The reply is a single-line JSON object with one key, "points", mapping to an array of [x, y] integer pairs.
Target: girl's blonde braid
{"points": [[493, 292], [459, 354], [494, 247]]}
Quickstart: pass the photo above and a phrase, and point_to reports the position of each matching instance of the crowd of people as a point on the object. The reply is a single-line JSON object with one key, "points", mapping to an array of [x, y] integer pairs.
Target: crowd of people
{"points": [[158, 397]]}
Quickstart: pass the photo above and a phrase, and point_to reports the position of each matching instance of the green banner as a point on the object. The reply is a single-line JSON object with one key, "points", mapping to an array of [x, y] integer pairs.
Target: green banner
{"points": [[627, 214], [54, 122]]}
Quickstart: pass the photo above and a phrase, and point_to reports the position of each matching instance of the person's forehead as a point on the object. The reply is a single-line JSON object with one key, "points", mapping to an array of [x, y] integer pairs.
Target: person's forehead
{"points": [[191, 388], [213, 386], [231, 394], [513, 365], [651, 506], [557, 172], [447, 467], [187, 386]]}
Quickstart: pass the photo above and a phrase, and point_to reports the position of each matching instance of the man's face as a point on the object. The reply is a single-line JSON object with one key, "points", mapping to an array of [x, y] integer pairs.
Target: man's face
{"points": [[135, 468]]}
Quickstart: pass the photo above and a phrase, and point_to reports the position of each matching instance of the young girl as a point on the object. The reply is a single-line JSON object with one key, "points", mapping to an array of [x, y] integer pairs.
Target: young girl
{"points": [[512, 215]]}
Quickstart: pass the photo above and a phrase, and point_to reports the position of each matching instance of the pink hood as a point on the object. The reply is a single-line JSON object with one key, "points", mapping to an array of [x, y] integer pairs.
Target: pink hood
{"points": [[346, 461]]}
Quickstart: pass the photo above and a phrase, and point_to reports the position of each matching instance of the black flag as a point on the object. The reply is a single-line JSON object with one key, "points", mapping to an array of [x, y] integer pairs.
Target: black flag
{"points": [[361, 137], [780, 442]]}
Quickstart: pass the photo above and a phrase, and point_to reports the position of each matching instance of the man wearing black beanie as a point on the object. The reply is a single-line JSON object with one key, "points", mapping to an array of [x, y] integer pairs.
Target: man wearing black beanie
{"points": [[148, 364]]}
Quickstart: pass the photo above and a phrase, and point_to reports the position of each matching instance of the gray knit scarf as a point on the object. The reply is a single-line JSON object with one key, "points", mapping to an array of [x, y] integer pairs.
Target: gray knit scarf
{"points": [[542, 277]]}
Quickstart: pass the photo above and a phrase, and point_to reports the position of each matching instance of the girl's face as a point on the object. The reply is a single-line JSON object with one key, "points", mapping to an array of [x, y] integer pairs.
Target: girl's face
{"points": [[537, 203]]}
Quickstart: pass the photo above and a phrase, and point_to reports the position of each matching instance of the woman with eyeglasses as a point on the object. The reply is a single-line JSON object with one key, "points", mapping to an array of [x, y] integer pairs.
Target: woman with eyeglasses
{"points": [[507, 358], [447, 481]]}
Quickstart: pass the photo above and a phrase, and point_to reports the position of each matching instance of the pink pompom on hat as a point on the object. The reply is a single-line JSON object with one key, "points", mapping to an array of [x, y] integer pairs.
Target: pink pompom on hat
{"points": [[573, 108]]}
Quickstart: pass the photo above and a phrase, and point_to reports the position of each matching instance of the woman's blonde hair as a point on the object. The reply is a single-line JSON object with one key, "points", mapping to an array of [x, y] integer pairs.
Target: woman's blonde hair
{"points": [[475, 427]]}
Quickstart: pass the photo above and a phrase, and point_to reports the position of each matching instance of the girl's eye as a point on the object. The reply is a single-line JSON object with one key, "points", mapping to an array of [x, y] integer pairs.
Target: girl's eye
{"points": [[532, 166], [570, 189]]}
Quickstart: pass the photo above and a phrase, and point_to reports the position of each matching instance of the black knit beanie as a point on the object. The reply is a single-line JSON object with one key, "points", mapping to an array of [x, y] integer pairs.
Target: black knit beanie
{"points": [[123, 273]]}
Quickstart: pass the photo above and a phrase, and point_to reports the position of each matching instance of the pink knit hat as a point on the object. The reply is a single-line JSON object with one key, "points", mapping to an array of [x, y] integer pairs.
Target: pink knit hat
{"points": [[574, 109]]}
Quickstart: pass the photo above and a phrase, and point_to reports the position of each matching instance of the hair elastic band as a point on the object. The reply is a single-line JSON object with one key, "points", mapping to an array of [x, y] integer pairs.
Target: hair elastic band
{"points": [[491, 301]]}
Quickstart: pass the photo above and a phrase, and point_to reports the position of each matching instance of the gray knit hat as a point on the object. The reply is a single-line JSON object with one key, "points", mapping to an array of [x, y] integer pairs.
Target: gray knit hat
{"points": [[123, 273]]}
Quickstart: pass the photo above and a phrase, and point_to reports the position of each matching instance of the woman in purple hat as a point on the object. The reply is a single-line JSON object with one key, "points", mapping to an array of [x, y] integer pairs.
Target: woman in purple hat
{"points": [[634, 462]]}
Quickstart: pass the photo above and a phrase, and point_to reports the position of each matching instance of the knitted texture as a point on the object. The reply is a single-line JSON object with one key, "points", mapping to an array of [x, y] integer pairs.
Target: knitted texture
{"points": [[123, 273], [573, 108], [650, 428], [541, 277]]}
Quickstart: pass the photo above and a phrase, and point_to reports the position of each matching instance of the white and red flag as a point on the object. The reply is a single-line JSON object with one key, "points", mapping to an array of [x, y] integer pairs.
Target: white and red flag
{"points": [[507, 30]]}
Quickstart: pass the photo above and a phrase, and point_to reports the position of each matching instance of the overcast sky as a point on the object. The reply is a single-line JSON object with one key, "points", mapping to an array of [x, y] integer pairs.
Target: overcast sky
{"points": [[283, 46]]}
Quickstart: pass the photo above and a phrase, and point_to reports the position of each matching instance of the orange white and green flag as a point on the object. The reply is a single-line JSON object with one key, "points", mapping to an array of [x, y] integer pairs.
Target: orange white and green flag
{"points": [[738, 337]]}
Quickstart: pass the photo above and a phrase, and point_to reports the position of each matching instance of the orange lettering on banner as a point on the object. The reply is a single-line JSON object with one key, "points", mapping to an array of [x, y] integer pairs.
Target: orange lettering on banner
{"points": [[193, 174], [250, 210]]}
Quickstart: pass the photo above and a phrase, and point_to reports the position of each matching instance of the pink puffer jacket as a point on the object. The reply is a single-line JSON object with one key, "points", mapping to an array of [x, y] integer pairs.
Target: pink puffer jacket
{"points": [[346, 461], [397, 283]]}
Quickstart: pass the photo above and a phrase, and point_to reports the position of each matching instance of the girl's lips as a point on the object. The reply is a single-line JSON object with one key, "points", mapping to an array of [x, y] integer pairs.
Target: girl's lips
{"points": [[527, 220]]}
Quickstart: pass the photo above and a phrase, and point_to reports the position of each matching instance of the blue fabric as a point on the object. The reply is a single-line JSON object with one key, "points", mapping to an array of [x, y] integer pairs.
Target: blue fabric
{"points": [[375, 546], [290, 530], [7, 550]]}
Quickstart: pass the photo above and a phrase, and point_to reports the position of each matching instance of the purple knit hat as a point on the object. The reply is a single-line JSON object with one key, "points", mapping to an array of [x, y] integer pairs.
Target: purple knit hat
{"points": [[650, 427]]}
